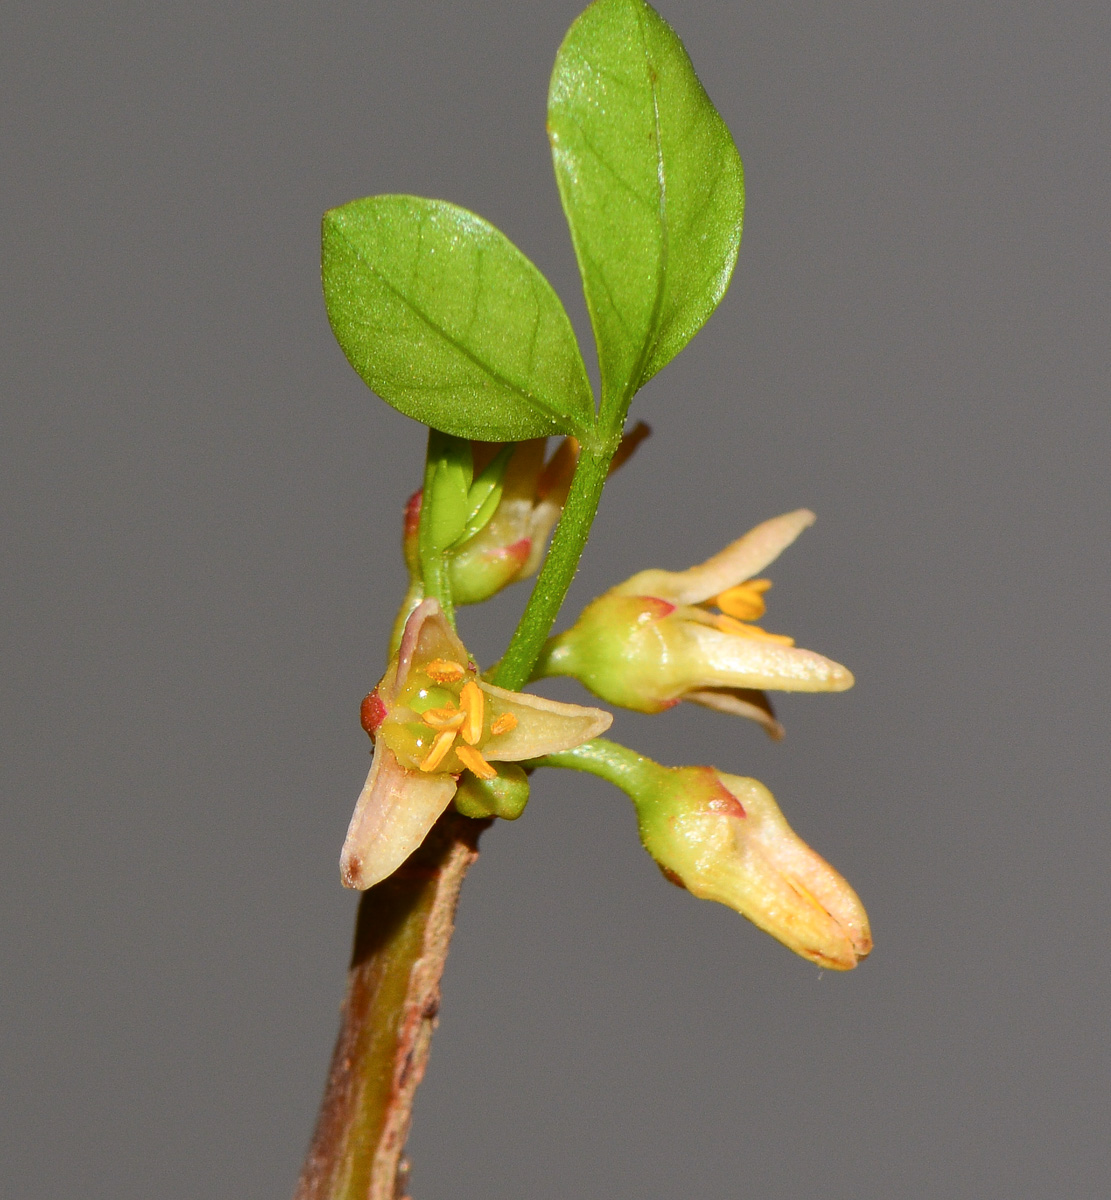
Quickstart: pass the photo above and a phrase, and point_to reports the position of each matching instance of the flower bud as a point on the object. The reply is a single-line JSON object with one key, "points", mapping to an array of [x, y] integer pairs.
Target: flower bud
{"points": [[503, 796], [723, 838], [510, 544]]}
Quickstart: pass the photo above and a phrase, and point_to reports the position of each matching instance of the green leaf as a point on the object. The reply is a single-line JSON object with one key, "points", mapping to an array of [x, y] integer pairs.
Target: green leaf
{"points": [[449, 322], [652, 186]]}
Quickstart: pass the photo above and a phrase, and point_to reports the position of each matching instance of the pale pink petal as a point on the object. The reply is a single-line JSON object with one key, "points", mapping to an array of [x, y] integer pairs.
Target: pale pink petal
{"points": [[427, 636], [740, 702], [743, 559], [393, 815], [543, 726], [542, 520]]}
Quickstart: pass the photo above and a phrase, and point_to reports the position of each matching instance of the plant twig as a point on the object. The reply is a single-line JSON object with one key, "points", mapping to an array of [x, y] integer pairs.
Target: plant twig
{"points": [[560, 564], [402, 934]]}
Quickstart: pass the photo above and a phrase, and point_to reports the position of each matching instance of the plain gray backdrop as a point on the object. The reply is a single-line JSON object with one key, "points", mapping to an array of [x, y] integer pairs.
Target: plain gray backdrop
{"points": [[200, 523]]}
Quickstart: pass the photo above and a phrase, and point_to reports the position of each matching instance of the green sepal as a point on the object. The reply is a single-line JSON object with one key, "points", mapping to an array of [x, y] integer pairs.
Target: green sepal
{"points": [[503, 796], [484, 496]]}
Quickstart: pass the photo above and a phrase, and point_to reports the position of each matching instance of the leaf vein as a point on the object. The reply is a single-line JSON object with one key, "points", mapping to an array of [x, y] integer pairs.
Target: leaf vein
{"points": [[510, 385]]}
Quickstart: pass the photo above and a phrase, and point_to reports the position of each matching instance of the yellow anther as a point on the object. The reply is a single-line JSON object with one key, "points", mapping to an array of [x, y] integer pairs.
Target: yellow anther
{"points": [[745, 601], [473, 704], [473, 761], [448, 717], [440, 746], [740, 629], [506, 723], [445, 670]]}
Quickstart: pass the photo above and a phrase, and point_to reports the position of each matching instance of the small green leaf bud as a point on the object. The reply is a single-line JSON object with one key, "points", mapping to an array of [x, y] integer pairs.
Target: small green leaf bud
{"points": [[451, 473]]}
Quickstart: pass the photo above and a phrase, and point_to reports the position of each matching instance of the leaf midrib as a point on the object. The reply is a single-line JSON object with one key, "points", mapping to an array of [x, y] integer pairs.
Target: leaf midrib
{"points": [[534, 400], [649, 342]]}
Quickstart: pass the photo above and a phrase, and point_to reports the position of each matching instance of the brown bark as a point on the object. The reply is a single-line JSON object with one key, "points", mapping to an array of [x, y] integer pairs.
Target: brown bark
{"points": [[402, 934]]}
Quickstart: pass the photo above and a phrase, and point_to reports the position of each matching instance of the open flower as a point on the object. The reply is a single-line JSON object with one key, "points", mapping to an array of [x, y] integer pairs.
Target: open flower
{"points": [[723, 838], [665, 636], [432, 718]]}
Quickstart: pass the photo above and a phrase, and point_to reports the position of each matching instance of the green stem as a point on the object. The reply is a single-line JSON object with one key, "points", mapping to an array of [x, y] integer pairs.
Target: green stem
{"points": [[393, 993], [433, 561], [559, 567], [633, 773]]}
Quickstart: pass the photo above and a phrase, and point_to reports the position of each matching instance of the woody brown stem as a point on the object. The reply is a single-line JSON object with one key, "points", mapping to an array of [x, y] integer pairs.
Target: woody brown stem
{"points": [[402, 934]]}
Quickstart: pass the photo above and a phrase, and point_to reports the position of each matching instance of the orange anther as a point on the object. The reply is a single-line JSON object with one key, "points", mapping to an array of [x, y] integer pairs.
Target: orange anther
{"points": [[745, 601], [473, 761], [473, 703], [740, 629], [445, 670], [440, 746], [448, 717], [503, 724]]}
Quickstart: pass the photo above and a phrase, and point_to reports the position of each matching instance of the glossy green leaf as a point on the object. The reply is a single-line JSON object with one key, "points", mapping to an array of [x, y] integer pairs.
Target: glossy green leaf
{"points": [[652, 186], [449, 322]]}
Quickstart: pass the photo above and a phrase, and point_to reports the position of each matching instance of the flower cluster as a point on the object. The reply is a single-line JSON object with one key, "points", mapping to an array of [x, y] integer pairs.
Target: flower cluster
{"points": [[443, 734], [510, 545]]}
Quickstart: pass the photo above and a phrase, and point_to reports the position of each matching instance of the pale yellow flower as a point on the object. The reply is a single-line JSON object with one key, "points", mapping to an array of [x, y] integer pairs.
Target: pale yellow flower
{"points": [[665, 636]]}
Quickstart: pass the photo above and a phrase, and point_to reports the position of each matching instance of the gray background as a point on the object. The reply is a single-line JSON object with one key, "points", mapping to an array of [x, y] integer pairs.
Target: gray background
{"points": [[200, 524]]}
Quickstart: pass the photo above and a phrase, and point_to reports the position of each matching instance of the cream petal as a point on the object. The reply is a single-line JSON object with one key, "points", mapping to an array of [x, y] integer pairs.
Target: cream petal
{"points": [[543, 726], [740, 702], [729, 660], [741, 560], [393, 815]]}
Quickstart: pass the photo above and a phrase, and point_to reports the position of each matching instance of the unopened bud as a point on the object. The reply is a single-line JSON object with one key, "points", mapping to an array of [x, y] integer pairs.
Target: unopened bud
{"points": [[723, 838]]}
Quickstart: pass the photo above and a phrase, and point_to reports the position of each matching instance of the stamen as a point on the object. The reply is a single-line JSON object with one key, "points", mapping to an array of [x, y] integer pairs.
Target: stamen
{"points": [[730, 625], [744, 601], [506, 723], [799, 887], [473, 703], [440, 746], [445, 670], [448, 717], [472, 759]]}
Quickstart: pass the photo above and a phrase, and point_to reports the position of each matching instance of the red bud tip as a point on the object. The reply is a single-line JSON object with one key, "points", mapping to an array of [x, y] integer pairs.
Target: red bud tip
{"points": [[652, 608], [412, 513], [519, 550]]}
